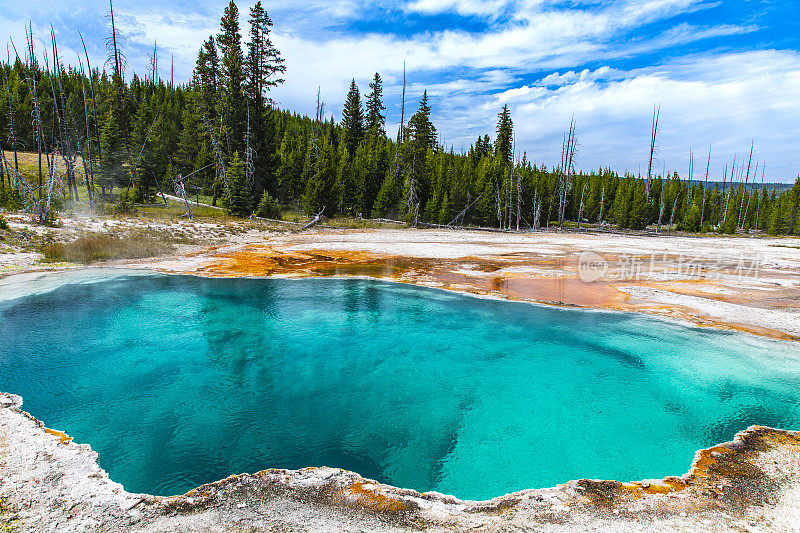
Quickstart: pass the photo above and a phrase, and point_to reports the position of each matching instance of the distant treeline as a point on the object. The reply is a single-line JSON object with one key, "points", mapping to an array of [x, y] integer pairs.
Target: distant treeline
{"points": [[219, 135]]}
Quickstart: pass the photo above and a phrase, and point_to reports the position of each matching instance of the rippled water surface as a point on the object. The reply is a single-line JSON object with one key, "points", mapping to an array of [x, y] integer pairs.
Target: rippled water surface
{"points": [[179, 381]]}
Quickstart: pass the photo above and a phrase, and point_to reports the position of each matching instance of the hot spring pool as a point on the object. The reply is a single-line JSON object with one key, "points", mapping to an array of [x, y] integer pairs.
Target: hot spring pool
{"points": [[179, 381]]}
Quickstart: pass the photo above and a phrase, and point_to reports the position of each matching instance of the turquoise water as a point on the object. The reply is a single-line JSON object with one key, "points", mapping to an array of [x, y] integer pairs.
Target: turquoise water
{"points": [[179, 381]]}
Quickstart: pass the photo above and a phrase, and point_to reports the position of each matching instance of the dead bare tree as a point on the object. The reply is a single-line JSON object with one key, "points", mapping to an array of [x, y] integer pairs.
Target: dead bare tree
{"points": [[602, 201], [674, 201], [460, 216], [68, 130], [88, 169], [30, 200], [653, 137], [12, 133], [565, 172], [537, 213], [661, 205], [758, 205], [94, 102], [37, 115], [220, 171], [705, 186], [154, 63], [689, 182], [728, 196], [315, 220], [401, 132], [580, 210], [117, 58], [180, 191], [249, 167], [722, 208], [740, 221], [519, 194]]}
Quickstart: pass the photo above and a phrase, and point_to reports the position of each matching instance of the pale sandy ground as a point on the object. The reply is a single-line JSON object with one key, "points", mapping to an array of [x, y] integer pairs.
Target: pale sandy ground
{"points": [[746, 283], [48, 483]]}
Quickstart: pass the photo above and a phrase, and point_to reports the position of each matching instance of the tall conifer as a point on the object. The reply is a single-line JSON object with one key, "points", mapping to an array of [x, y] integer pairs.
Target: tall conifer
{"points": [[353, 119], [376, 121], [505, 135]]}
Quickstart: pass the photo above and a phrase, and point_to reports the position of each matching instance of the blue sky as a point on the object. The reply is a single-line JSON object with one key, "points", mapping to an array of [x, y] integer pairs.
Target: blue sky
{"points": [[724, 73]]}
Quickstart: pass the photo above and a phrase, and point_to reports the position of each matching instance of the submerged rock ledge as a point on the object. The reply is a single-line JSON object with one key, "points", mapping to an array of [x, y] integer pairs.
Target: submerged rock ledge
{"points": [[48, 482]]}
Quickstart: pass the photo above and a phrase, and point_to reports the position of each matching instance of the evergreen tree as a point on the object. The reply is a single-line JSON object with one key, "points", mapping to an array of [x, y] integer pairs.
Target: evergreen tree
{"points": [[421, 130], [504, 144], [692, 221], [112, 174], [352, 119], [263, 66], [231, 104], [346, 190], [264, 61], [376, 121], [206, 78], [292, 157], [388, 198], [238, 202], [320, 187], [637, 217]]}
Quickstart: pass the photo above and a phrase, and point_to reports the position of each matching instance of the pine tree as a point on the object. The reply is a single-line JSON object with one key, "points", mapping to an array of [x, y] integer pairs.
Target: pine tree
{"points": [[231, 104], [637, 217], [352, 119], [292, 156], [238, 203], [112, 173], [504, 144], [206, 78], [346, 178], [376, 121], [692, 221], [420, 128], [264, 61], [321, 185], [263, 66]]}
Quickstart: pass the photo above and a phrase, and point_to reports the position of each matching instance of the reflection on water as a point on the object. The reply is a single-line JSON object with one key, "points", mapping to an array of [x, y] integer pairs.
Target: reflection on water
{"points": [[178, 381]]}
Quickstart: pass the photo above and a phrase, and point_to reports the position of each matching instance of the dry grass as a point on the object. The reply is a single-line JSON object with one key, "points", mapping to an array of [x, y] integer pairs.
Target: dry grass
{"points": [[93, 248]]}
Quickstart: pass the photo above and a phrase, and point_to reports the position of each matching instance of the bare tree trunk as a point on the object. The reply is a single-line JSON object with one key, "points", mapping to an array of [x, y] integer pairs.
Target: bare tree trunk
{"points": [[653, 136], [674, 207], [580, 210], [661, 206], [749, 197], [519, 199], [705, 186], [94, 103], [602, 200], [37, 116], [13, 135], [740, 222], [88, 176], [689, 183], [759, 194], [568, 155], [401, 133], [117, 70], [721, 208]]}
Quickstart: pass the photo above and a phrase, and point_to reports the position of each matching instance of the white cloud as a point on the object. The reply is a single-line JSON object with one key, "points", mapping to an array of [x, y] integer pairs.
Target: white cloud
{"points": [[726, 100], [462, 7]]}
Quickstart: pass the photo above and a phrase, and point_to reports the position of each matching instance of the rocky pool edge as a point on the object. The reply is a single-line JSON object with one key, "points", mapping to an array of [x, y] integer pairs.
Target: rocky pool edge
{"points": [[48, 482]]}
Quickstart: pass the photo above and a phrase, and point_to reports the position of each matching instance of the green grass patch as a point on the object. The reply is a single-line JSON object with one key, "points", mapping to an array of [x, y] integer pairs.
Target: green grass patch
{"points": [[95, 248]]}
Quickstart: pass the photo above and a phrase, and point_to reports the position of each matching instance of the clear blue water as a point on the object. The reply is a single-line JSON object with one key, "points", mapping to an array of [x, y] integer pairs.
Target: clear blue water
{"points": [[178, 381]]}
